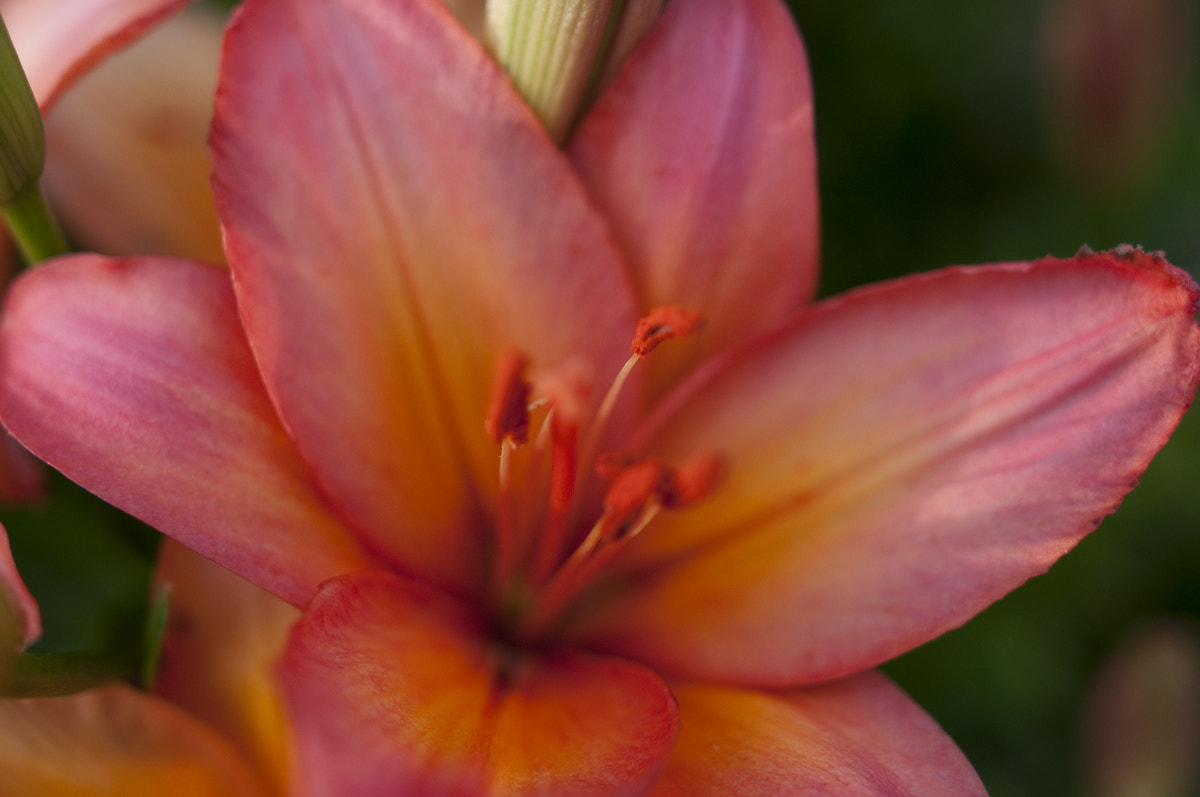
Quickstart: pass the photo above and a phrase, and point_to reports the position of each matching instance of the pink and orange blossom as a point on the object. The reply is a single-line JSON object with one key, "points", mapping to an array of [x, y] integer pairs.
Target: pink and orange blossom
{"points": [[396, 224]]}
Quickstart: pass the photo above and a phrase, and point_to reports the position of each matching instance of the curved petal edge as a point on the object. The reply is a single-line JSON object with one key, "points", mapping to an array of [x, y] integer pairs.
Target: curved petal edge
{"points": [[860, 736], [59, 41], [897, 459], [133, 377], [394, 689]]}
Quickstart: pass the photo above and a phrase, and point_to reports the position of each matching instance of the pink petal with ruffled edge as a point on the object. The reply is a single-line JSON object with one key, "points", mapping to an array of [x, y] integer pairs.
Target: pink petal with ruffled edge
{"points": [[14, 592], [899, 458], [701, 155], [59, 41], [134, 379], [224, 639], [114, 741], [394, 689], [862, 736], [394, 219]]}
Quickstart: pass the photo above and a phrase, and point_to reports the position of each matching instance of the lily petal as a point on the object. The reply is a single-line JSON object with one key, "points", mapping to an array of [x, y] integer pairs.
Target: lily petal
{"points": [[133, 377], [394, 690], [701, 155], [470, 14], [16, 595], [899, 458], [22, 479], [861, 736], [383, 265], [224, 638], [117, 742], [127, 162], [59, 41]]}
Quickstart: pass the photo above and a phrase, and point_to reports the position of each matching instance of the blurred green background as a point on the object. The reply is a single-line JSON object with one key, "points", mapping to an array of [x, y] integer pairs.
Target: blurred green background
{"points": [[948, 132]]}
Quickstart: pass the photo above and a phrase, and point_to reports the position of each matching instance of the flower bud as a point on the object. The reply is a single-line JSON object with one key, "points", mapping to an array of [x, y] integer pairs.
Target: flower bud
{"points": [[22, 141], [559, 53]]}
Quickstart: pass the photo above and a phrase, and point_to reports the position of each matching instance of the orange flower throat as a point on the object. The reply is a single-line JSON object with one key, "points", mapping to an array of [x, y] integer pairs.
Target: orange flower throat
{"points": [[537, 575]]}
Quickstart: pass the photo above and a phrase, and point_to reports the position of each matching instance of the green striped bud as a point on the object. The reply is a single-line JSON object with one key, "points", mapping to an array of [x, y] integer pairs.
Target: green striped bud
{"points": [[560, 53]]}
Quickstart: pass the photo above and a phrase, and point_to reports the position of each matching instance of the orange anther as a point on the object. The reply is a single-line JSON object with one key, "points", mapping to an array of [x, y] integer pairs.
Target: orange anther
{"points": [[664, 323], [694, 479], [508, 411], [633, 488]]}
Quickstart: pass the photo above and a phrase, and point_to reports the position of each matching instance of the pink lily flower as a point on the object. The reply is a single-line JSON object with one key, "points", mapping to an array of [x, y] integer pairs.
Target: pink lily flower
{"points": [[788, 496]]}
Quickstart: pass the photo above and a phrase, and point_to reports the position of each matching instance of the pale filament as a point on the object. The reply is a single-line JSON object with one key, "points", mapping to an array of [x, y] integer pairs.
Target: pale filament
{"points": [[592, 556]]}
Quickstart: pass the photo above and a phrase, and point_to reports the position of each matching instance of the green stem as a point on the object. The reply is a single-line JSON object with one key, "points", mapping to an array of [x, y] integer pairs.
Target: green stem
{"points": [[37, 234]]}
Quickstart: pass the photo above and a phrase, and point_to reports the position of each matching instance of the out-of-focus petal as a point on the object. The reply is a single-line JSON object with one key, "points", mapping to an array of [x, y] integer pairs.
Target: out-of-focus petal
{"points": [[899, 458], [114, 741], [224, 638], [637, 17], [701, 155], [394, 690], [59, 41], [861, 736], [127, 163], [470, 14], [383, 264], [20, 603], [134, 379], [22, 479]]}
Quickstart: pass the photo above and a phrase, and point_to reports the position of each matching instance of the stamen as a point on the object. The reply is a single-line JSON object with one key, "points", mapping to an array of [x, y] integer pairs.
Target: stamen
{"points": [[508, 410], [694, 479], [610, 401], [567, 388], [664, 323], [648, 514], [633, 488], [507, 422], [640, 489], [563, 466], [660, 324], [506, 521]]}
